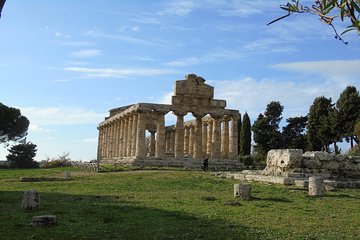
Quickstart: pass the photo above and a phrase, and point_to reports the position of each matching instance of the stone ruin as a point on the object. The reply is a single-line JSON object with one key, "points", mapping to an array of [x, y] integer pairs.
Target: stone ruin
{"points": [[213, 133], [293, 167]]}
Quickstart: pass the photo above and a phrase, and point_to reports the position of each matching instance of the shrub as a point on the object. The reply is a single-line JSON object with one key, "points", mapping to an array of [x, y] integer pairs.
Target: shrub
{"points": [[61, 161], [355, 151]]}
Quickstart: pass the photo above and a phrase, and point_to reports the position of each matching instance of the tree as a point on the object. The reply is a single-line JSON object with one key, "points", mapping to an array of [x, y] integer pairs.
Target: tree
{"points": [[245, 136], [22, 155], [322, 125], [357, 131], [266, 131], [294, 133], [328, 11], [2, 2], [348, 106], [13, 126]]}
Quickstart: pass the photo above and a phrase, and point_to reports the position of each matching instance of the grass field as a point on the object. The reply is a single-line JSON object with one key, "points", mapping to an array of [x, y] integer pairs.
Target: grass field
{"points": [[171, 205]]}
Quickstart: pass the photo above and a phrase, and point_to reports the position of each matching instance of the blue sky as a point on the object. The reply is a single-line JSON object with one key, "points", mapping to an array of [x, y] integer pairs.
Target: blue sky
{"points": [[66, 63]]}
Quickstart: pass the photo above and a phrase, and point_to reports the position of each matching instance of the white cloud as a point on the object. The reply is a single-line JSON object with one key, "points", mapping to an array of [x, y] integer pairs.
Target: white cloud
{"points": [[50, 116], [119, 72], [124, 38], [216, 56], [251, 95], [180, 8], [62, 35], [36, 128], [86, 53], [331, 68]]}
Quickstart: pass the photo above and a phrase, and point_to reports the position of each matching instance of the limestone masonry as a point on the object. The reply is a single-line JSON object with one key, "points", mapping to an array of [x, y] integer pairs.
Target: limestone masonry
{"points": [[213, 133], [293, 167]]}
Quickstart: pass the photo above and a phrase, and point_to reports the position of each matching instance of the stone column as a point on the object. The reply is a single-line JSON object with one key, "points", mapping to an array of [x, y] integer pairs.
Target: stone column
{"points": [[120, 138], [225, 138], [152, 143], [198, 136], [191, 140], [126, 132], [160, 136], [209, 138], [129, 132], [316, 186], [107, 141], [123, 137], [234, 136], [99, 144], [133, 135], [116, 139], [204, 138], [140, 136], [186, 140], [216, 140], [179, 135], [172, 141]]}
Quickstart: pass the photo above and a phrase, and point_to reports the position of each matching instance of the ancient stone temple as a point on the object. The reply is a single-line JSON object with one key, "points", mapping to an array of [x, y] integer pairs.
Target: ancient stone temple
{"points": [[136, 134]]}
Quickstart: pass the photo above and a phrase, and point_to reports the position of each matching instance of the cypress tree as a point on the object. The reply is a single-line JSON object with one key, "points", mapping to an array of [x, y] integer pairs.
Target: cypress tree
{"points": [[245, 136], [348, 106]]}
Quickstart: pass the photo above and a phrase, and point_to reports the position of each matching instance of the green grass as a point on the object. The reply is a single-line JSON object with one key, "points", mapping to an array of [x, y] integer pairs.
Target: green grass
{"points": [[171, 205]]}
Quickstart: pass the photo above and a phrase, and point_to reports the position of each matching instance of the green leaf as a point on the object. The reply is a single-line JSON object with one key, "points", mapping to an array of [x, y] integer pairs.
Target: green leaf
{"points": [[356, 6]]}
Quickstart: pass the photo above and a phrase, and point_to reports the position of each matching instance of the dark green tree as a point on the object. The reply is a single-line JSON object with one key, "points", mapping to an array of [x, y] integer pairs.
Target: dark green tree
{"points": [[239, 132], [13, 126], [322, 125], [22, 155], [245, 136], [348, 106], [357, 131], [294, 133], [266, 131]]}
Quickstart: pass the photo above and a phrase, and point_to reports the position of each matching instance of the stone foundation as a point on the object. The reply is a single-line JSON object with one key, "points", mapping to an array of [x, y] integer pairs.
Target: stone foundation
{"points": [[292, 167], [187, 163]]}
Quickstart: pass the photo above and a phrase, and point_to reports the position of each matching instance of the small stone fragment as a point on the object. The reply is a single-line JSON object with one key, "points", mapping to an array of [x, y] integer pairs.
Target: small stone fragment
{"points": [[316, 186], [43, 221]]}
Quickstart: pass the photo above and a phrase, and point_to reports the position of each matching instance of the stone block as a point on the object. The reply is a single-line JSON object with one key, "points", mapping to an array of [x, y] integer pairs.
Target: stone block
{"points": [[281, 160], [242, 191], [330, 165], [312, 163], [316, 186], [31, 200], [301, 183]]}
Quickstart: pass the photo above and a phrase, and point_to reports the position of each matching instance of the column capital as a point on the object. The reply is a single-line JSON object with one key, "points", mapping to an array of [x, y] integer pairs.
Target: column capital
{"points": [[180, 113], [217, 115], [198, 114]]}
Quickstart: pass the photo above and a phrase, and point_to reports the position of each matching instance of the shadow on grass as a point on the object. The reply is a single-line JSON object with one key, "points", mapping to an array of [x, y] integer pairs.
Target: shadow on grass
{"points": [[109, 217], [340, 196], [271, 199]]}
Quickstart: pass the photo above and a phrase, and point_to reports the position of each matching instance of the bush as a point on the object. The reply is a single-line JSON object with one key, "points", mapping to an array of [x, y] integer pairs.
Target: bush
{"points": [[355, 151], [61, 161]]}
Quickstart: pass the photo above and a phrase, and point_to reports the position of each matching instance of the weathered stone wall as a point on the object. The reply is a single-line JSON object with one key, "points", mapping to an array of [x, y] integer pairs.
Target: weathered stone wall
{"points": [[292, 162]]}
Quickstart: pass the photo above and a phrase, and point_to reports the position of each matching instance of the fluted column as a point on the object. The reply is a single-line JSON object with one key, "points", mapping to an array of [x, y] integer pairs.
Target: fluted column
{"points": [[179, 135], [186, 140], [198, 136], [191, 140], [107, 146], [234, 136], [140, 136], [204, 138], [120, 138], [152, 143], [225, 138], [123, 137], [160, 136], [99, 144], [116, 139], [104, 149], [209, 138], [129, 132], [126, 139], [133, 135], [216, 140]]}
